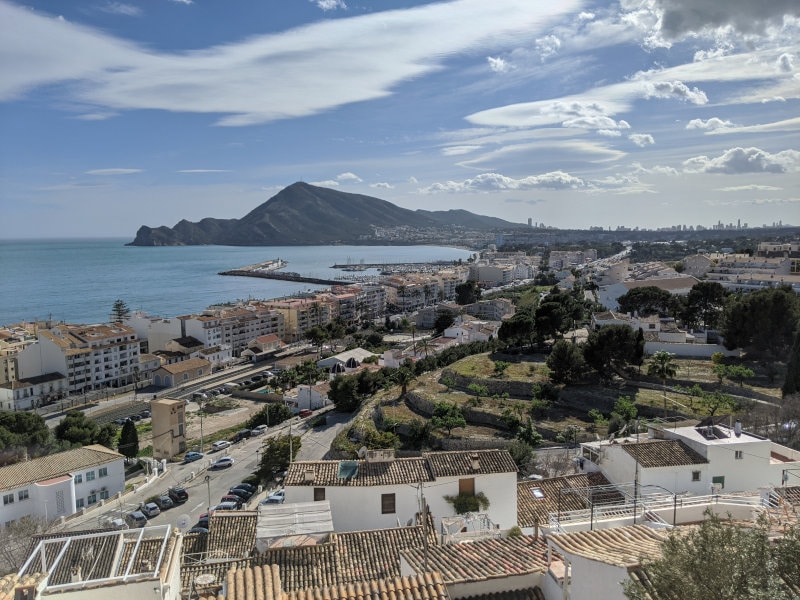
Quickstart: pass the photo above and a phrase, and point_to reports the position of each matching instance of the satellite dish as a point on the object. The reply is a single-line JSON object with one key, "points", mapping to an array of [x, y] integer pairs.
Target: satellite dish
{"points": [[362, 452], [204, 579], [183, 522]]}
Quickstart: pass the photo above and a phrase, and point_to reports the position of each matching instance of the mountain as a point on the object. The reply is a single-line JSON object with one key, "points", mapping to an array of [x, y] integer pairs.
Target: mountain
{"points": [[307, 215]]}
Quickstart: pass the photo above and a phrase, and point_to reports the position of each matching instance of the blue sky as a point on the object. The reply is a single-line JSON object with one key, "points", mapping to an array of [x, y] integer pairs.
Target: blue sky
{"points": [[574, 114]]}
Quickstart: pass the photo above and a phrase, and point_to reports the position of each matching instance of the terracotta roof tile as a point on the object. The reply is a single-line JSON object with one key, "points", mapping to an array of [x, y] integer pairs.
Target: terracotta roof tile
{"points": [[482, 559], [457, 463], [663, 453], [232, 534], [534, 593], [536, 499], [619, 546], [326, 473], [424, 586]]}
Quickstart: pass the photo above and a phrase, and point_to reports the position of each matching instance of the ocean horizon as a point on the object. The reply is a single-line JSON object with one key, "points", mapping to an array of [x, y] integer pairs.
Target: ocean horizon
{"points": [[77, 280]]}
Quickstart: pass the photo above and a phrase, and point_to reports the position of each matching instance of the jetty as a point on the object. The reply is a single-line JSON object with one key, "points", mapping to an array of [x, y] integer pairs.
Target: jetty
{"points": [[270, 269]]}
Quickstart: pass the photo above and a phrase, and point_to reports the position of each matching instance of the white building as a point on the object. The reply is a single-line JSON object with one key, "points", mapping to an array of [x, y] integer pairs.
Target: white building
{"points": [[91, 356], [29, 393], [698, 460], [234, 327], [387, 490], [60, 484]]}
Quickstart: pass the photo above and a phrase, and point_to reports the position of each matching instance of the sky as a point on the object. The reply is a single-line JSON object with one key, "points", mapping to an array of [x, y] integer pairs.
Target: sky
{"points": [[573, 114]]}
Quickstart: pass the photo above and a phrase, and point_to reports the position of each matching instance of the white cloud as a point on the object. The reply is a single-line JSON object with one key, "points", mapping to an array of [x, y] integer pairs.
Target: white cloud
{"points": [[413, 180], [350, 177], [595, 122], [186, 2], [326, 183], [586, 16], [113, 171], [785, 62], [494, 182], [609, 132], [638, 169], [118, 8], [382, 185], [547, 46], [674, 89], [711, 124], [459, 150], [204, 171], [96, 116], [498, 65], [745, 160], [327, 5], [749, 188], [642, 139]]}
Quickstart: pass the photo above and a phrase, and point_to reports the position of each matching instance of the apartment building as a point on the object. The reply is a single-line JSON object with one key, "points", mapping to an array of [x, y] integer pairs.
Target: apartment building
{"points": [[26, 394], [90, 356], [301, 314], [234, 326]]}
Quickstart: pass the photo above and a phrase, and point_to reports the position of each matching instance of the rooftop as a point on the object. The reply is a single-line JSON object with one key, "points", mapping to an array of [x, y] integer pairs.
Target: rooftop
{"points": [[662, 453], [537, 498], [619, 546]]}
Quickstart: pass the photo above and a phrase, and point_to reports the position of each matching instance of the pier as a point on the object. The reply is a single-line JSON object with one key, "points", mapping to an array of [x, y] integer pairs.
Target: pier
{"points": [[244, 272]]}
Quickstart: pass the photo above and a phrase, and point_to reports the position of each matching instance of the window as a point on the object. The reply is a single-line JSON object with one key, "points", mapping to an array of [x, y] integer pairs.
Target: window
{"points": [[103, 472], [186, 377], [695, 475], [78, 478], [387, 504], [89, 475], [92, 499], [22, 495], [104, 495], [319, 494], [79, 504], [739, 455], [8, 499], [466, 486], [718, 482]]}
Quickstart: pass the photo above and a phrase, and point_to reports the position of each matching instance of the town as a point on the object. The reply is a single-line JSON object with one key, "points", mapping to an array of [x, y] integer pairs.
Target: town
{"points": [[547, 423]]}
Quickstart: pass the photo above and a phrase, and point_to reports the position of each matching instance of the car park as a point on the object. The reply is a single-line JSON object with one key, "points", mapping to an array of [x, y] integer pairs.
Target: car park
{"points": [[222, 463], [242, 434], [178, 495], [220, 445], [242, 493], [192, 456], [136, 519], [258, 429], [150, 510], [232, 498], [249, 487]]}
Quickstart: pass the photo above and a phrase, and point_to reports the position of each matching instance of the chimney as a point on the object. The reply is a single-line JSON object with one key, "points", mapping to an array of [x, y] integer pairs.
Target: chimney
{"points": [[476, 462], [308, 476], [75, 574]]}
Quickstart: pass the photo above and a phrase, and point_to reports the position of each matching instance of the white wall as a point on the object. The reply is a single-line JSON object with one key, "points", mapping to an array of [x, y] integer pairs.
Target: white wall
{"points": [[114, 482], [593, 580], [499, 488]]}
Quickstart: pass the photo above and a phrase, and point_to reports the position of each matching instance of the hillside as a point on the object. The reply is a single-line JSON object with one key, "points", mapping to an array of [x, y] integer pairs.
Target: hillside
{"points": [[303, 214]]}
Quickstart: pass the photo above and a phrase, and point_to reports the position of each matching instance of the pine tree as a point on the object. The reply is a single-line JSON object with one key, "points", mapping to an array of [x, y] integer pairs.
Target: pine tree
{"points": [[119, 311], [128, 440], [791, 384]]}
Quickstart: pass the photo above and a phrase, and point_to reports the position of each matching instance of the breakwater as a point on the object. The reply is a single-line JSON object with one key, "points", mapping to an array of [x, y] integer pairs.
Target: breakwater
{"points": [[280, 276]]}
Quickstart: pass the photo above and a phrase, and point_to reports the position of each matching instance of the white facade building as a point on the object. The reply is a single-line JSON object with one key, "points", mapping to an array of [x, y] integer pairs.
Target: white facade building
{"points": [[26, 394], [60, 484], [387, 489]]}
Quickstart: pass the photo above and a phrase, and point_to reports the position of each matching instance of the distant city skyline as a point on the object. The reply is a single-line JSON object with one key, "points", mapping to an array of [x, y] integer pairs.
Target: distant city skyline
{"points": [[576, 114]]}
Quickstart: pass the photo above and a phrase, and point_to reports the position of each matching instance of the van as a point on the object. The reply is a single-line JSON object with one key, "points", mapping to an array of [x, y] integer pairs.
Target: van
{"points": [[136, 519]]}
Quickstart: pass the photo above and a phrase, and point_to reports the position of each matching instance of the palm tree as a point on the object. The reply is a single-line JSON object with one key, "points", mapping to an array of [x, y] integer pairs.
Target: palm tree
{"points": [[662, 366], [403, 377]]}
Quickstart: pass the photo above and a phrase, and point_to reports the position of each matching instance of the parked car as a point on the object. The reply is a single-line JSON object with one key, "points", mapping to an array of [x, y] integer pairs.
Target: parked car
{"points": [[178, 495], [145, 414], [278, 497], [242, 493], [227, 506], [192, 456], [258, 429], [232, 498], [150, 510], [222, 463], [197, 529], [249, 487], [164, 502], [220, 445], [306, 413], [242, 434], [134, 418], [136, 519], [116, 524]]}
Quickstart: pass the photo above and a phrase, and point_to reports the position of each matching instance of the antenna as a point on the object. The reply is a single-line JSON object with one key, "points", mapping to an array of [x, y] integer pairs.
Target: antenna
{"points": [[183, 522]]}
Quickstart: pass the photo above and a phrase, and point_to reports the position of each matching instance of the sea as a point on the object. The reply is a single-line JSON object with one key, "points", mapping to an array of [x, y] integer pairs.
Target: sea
{"points": [[78, 280]]}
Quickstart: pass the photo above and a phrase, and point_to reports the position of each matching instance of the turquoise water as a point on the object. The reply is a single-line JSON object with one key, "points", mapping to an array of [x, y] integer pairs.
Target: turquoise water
{"points": [[78, 280]]}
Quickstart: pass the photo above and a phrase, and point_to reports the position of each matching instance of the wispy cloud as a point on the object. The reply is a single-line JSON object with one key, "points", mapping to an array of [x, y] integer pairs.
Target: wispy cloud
{"points": [[327, 5], [325, 183], [494, 182], [204, 171], [382, 185], [349, 177], [749, 188], [113, 171], [119, 8]]}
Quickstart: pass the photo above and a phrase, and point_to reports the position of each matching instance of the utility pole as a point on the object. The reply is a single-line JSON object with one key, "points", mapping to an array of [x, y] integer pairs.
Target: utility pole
{"points": [[208, 487]]}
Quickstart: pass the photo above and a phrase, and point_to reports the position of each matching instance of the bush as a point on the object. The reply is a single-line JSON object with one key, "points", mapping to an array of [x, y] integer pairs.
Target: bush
{"points": [[464, 503]]}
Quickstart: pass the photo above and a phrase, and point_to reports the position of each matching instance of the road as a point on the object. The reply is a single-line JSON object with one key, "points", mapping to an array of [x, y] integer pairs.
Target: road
{"points": [[246, 454]]}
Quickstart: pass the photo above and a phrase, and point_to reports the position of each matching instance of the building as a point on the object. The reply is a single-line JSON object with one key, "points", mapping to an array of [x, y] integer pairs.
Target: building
{"points": [[299, 315], [128, 565], [181, 372], [60, 484], [387, 489], [234, 326], [32, 392], [169, 430], [262, 347], [90, 356]]}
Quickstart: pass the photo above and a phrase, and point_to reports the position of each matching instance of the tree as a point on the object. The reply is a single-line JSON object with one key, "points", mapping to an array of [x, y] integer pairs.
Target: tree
{"points": [[272, 414], [344, 393], [275, 455], [119, 311], [23, 433], [449, 416], [128, 440], [565, 362], [500, 367], [522, 454], [791, 384], [625, 409], [106, 435], [519, 329], [645, 300], [76, 429], [704, 304], [403, 377], [721, 560], [716, 400], [444, 319], [448, 382], [762, 322], [317, 336], [610, 349], [527, 433], [662, 365], [739, 373], [479, 390], [467, 293]]}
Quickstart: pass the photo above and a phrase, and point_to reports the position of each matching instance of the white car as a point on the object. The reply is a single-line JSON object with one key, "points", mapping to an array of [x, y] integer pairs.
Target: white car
{"points": [[220, 445], [222, 463], [258, 430]]}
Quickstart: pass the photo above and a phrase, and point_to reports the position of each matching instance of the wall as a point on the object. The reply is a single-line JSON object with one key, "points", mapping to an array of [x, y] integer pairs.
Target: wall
{"points": [[114, 482], [592, 579], [500, 489], [696, 350]]}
